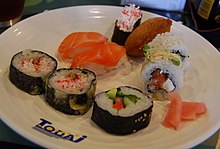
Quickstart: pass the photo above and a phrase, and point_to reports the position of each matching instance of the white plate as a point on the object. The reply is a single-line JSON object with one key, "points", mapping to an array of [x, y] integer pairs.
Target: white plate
{"points": [[45, 32]]}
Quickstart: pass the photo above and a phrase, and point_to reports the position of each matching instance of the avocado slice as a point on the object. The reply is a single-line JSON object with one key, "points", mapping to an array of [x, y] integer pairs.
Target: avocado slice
{"points": [[112, 93], [127, 101]]}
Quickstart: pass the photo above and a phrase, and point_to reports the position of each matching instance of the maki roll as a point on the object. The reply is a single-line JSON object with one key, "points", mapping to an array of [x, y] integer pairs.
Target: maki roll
{"points": [[29, 69], [123, 110], [129, 19], [162, 72], [172, 43], [71, 90]]}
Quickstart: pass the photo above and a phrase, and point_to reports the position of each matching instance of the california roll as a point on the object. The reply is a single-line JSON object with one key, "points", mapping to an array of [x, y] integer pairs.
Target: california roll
{"points": [[172, 43], [162, 72]]}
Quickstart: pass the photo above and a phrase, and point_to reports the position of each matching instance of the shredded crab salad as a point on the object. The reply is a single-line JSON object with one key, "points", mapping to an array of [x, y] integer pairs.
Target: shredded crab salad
{"points": [[129, 16], [34, 63]]}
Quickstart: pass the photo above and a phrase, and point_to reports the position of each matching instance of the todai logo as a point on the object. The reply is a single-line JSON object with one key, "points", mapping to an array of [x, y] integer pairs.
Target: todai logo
{"points": [[47, 128]]}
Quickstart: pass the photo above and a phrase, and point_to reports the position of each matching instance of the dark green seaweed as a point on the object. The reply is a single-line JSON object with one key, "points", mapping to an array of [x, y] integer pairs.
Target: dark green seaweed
{"points": [[120, 36], [60, 100]]}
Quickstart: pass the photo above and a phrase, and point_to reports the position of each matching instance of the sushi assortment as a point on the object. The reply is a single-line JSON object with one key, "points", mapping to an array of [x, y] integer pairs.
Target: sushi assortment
{"points": [[124, 109], [68, 90]]}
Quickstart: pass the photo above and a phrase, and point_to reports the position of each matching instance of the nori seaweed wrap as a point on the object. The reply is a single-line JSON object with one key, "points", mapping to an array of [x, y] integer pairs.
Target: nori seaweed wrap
{"points": [[71, 90], [123, 110], [29, 69], [129, 19]]}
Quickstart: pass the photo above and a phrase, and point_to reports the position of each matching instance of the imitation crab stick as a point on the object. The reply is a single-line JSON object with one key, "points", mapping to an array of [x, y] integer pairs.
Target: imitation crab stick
{"points": [[118, 103]]}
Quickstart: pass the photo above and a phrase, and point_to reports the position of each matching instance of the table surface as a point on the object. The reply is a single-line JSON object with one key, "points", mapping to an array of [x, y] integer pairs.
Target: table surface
{"points": [[9, 138]]}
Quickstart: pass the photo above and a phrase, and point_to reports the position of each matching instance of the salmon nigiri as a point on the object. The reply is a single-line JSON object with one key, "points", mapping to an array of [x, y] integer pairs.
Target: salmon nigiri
{"points": [[107, 54], [78, 42]]}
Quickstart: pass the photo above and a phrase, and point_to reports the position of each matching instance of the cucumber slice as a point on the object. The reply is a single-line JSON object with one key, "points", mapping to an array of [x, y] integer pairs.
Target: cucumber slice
{"points": [[132, 98], [127, 101], [119, 93]]}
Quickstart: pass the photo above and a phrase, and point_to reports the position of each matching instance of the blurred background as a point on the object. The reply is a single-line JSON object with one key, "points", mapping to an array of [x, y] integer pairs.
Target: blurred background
{"points": [[186, 11]]}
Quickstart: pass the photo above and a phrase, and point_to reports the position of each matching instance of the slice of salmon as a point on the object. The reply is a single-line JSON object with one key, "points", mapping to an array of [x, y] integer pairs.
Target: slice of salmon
{"points": [[192, 110], [173, 116], [77, 42], [107, 54]]}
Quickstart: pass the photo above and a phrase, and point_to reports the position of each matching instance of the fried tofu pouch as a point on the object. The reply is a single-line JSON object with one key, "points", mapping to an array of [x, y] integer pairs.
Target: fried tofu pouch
{"points": [[144, 34]]}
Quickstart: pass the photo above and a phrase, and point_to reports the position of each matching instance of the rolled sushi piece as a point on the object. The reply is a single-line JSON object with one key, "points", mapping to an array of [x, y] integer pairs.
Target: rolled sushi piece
{"points": [[162, 72], [174, 44], [29, 69], [129, 19], [71, 90], [123, 110]]}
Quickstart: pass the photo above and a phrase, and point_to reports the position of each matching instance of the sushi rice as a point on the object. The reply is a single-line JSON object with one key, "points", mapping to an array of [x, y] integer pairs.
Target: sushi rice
{"points": [[174, 72]]}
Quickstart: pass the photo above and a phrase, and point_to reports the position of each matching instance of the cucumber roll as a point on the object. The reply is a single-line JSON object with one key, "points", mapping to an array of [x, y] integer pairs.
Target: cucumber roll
{"points": [[162, 72], [71, 90], [123, 110], [129, 19], [29, 69]]}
